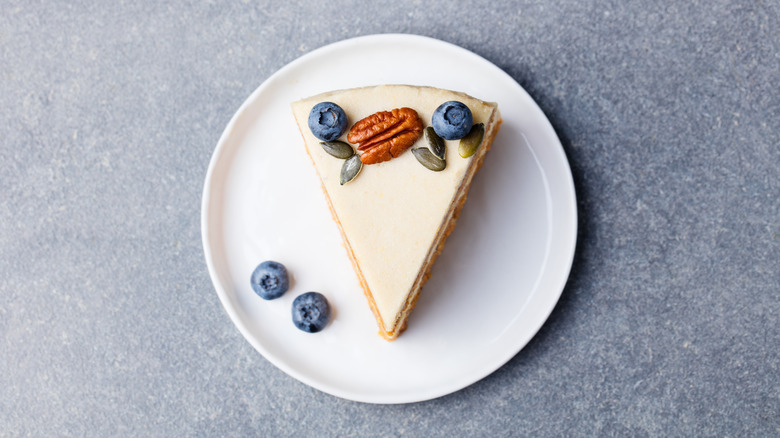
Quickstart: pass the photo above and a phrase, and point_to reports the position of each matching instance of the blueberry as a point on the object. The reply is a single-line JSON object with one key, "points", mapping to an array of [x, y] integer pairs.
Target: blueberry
{"points": [[310, 312], [270, 280], [452, 120], [327, 121]]}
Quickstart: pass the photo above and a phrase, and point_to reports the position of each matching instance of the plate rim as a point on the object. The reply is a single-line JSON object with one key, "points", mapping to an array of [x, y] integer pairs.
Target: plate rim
{"points": [[434, 392]]}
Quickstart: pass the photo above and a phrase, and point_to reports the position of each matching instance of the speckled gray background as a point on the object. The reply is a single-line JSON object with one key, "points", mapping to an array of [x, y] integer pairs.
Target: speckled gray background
{"points": [[669, 113]]}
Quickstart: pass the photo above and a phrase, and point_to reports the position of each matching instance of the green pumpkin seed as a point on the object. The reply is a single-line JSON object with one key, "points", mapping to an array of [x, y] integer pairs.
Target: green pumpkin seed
{"points": [[350, 169], [472, 140], [427, 159], [338, 149], [435, 143]]}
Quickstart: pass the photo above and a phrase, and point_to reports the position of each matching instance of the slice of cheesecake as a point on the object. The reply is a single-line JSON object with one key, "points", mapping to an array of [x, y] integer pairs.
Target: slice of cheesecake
{"points": [[395, 215]]}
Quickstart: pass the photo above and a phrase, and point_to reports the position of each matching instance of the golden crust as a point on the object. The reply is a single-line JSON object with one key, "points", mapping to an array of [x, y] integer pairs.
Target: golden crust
{"points": [[445, 230], [355, 266]]}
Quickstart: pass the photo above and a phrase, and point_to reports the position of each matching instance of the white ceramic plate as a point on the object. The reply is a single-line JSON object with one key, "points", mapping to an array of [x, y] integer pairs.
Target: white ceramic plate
{"points": [[494, 285]]}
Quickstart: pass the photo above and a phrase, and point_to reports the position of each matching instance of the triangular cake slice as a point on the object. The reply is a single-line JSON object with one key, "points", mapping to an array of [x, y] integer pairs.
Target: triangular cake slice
{"points": [[395, 215]]}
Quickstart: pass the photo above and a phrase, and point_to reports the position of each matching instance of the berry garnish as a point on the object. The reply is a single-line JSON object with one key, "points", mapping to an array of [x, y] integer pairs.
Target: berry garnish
{"points": [[270, 280], [452, 120], [310, 312], [327, 121]]}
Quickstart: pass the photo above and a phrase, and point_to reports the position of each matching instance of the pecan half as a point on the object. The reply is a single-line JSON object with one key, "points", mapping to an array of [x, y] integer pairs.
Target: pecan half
{"points": [[386, 134]]}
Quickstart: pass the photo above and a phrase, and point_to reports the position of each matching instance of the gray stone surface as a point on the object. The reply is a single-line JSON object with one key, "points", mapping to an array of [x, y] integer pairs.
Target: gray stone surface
{"points": [[669, 113]]}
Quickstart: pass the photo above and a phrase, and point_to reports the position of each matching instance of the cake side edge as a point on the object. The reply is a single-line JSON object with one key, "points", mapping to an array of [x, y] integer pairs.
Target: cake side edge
{"points": [[350, 254], [448, 225]]}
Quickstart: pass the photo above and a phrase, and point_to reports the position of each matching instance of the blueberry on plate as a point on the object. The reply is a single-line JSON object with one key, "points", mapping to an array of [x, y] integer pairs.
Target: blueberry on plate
{"points": [[310, 312], [270, 280], [452, 120], [327, 121]]}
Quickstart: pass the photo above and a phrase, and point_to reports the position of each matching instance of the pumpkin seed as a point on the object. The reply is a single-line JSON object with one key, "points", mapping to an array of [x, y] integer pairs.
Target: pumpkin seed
{"points": [[427, 159], [338, 149], [435, 143], [350, 169], [469, 144]]}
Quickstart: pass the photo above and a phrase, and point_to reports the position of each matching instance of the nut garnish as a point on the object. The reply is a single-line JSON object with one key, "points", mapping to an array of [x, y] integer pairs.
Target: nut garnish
{"points": [[386, 134]]}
